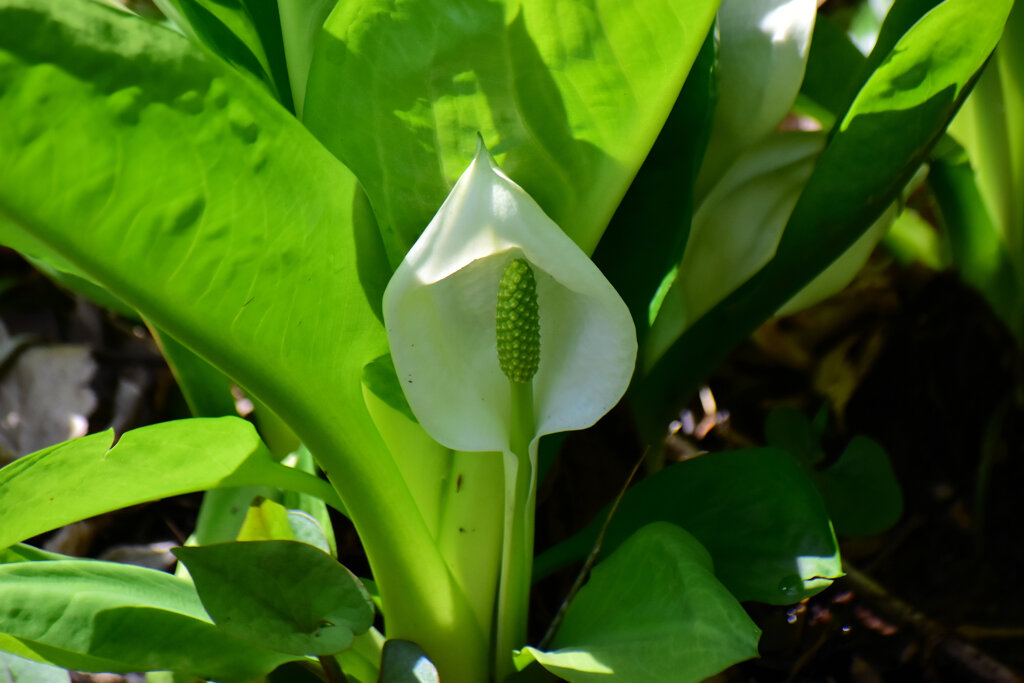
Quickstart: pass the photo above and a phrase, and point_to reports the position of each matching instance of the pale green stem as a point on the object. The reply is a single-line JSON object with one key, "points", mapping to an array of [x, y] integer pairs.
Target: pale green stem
{"points": [[517, 546], [421, 600]]}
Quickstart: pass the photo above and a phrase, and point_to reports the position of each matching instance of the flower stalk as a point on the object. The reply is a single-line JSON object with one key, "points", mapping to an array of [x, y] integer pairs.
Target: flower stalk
{"points": [[517, 323], [446, 332]]}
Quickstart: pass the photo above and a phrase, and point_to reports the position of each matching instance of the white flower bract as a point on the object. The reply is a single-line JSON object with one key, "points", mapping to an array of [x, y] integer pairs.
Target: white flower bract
{"points": [[439, 311]]}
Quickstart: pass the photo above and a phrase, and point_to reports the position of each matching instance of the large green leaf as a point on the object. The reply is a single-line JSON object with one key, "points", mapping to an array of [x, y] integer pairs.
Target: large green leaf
{"points": [[155, 170], [301, 21], [981, 193], [91, 475], [977, 248], [101, 616], [833, 68], [646, 237], [885, 135], [288, 595], [247, 33], [569, 96], [755, 511], [653, 612]]}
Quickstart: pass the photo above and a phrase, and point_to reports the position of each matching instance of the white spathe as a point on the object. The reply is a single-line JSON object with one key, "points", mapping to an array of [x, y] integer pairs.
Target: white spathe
{"points": [[439, 311], [762, 56]]}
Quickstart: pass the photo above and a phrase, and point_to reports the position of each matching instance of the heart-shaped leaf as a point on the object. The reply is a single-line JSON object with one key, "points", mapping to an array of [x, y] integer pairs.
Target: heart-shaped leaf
{"points": [[283, 594]]}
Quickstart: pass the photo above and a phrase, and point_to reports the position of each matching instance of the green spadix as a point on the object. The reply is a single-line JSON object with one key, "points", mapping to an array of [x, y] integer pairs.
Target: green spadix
{"points": [[517, 322]]}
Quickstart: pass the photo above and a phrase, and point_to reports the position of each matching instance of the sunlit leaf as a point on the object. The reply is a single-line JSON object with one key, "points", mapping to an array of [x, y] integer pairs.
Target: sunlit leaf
{"points": [[283, 595], [652, 611], [569, 95], [100, 616]]}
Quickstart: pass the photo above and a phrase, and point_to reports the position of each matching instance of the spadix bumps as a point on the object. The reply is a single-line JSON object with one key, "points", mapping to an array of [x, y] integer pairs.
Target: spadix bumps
{"points": [[517, 322]]}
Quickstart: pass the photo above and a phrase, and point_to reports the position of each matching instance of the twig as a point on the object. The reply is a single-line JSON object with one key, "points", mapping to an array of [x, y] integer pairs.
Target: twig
{"points": [[590, 561], [981, 664], [807, 656]]}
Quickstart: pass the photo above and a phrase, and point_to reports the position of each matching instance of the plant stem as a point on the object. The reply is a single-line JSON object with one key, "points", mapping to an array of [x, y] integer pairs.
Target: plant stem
{"points": [[332, 670], [517, 545]]}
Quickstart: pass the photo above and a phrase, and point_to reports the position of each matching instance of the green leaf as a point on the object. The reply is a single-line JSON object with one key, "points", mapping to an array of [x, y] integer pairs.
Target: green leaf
{"points": [[648, 232], [981, 194], [242, 243], [90, 475], [898, 20], [789, 429], [301, 21], [569, 95], [860, 490], [887, 133], [653, 612], [978, 250], [834, 67], [380, 379], [308, 515], [283, 594], [406, 662], [756, 511], [100, 616], [246, 33], [207, 391], [267, 520], [208, 394], [20, 552]]}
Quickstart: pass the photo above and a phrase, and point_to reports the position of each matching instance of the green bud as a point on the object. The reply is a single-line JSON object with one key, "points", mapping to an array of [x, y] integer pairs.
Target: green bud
{"points": [[518, 322]]}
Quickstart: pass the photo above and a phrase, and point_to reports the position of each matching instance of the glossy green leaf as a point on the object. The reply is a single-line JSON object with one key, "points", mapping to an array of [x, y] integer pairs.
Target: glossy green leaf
{"points": [[653, 612], [756, 511], [406, 662], [100, 616], [898, 20], [860, 489], [131, 157], [834, 66], [91, 475], [285, 595], [569, 96], [246, 33], [887, 133]]}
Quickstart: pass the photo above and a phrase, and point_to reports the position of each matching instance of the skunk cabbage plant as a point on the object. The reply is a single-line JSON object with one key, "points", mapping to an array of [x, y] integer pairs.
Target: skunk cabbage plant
{"points": [[502, 330]]}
